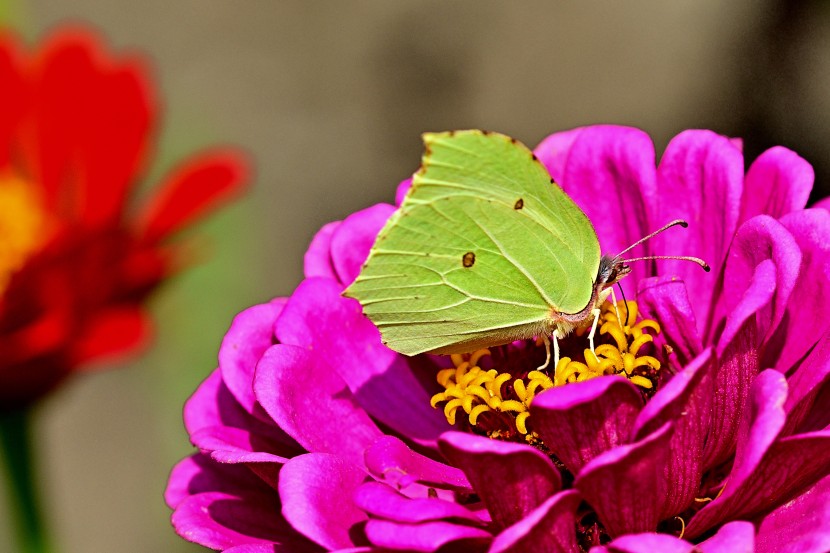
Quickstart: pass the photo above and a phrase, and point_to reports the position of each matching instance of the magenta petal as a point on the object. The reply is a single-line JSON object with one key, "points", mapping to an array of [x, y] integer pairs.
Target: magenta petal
{"points": [[626, 485], [649, 543], [823, 204], [737, 366], [219, 425], [799, 525], [402, 190], [666, 300], [761, 240], [699, 179], [609, 172], [316, 490], [308, 400], [806, 383], [548, 529], [511, 479], [352, 240], [777, 183], [734, 537], [250, 334], [198, 473], [261, 548], [392, 461], [685, 400], [806, 315], [428, 536], [382, 501], [219, 520], [581, 420], [317, 261], [319, 318]]}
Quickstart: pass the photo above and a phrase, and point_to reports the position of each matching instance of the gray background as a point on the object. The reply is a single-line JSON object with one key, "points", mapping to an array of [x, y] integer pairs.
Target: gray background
{"points": [[330, 99]]}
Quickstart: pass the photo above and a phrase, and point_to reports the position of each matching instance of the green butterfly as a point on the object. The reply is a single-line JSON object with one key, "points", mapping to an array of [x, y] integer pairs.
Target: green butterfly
{"points": [[484, 250]]}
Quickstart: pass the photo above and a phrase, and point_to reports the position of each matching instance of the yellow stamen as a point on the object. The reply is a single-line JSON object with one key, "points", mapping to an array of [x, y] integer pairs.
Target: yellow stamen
{"points": [[506, 399], [23, 225]]}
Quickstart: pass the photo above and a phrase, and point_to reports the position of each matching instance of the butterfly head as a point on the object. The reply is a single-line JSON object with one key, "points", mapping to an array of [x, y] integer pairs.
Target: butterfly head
{"points": [[611, 270]]}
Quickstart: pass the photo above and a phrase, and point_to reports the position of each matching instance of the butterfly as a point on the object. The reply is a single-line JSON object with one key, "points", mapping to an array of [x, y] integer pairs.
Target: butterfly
{"points": [[485, 249]]}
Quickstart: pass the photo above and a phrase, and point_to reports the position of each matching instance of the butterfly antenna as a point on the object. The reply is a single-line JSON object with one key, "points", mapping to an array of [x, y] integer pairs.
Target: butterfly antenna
{"points": [[667, 226], [703, 264]]}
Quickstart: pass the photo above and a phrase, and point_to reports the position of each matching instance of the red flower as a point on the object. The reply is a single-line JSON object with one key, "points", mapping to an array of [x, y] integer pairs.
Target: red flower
{"points": [[75, 264]]}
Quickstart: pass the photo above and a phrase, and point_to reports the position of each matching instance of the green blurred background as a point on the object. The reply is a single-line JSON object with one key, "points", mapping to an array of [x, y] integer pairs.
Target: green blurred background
{"points": [[330, 99]]}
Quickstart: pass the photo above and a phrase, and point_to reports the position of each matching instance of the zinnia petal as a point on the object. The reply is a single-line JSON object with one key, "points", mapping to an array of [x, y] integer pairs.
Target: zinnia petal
{"points": [[778, 182], [354, 237], [548, 529], [666, 299], [802, 524]]}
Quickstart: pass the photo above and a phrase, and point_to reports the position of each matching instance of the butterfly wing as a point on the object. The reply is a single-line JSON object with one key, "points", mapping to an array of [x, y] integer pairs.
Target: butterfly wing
{"points": [[478, 254]]}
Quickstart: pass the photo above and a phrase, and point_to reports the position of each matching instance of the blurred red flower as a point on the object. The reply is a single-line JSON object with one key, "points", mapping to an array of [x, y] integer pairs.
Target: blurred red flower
{"points": [[76, 265]]}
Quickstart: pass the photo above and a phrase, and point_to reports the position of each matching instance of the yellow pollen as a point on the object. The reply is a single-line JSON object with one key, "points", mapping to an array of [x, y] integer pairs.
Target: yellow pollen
{"points": [[23, 224], [506, 399]]}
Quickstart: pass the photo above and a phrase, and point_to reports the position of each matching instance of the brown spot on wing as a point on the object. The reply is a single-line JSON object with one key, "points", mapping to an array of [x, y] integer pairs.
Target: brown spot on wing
{"points": [[468, 259]]}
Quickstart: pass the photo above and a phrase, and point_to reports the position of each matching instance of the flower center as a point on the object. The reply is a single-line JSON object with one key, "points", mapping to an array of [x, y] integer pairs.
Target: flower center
{"points": [[495, 388], [23, 225]]}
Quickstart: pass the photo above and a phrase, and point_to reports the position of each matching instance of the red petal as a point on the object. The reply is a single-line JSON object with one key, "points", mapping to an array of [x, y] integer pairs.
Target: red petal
{"points": [[112, 332], [195, 187], [12, 95]]}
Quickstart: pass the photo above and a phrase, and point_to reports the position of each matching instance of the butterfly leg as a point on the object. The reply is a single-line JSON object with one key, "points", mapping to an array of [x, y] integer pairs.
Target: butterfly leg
{"points": [[547, 352], [616, 310], [595, 312]]}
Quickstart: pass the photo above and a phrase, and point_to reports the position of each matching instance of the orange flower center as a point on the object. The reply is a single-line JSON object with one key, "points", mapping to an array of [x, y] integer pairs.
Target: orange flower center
{"points": [[23, 225]]}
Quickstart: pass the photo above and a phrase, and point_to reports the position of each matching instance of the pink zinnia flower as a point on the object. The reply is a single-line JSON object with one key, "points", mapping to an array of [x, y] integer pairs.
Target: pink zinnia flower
{"points": [[708, 430]]}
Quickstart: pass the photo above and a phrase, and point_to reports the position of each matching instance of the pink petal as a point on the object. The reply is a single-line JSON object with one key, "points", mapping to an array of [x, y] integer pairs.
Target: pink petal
{"points": [[308, 400], [428, 536], [382, 501], [392, 461], [823, 204], [582, 420], [777, 183], [734, 537], [609, 172], [402, 190], [511, 479], [250, 334], [352, 240], [806, 384], [806, 312], [699, 179], [666, 300], [761, 240], [685, 401], [626, 485], [319, 318], [548, 529], [649, 543], [198, 473], [802, 524], [316, 492], [317, 261]]}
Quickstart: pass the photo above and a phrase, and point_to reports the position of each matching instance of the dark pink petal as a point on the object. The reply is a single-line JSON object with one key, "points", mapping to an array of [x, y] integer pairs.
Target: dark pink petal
{"points": [[760, 240], [823, 204], [649, 543], [768, 469], [402, 190], [392, 461], [319, 318], [352, 240], [737, 366], [316, 492], [220, 521], [777, 183], [382, 501], [261, 548], [317, 261], [734, 537], [309, 400], [548, 529], [799, 525], [219, 425], [806, 313], [686, 401], [666, 300], [428, 536], [806, 384], [511, 479], [581, 420], [626, 485], [198, 473], [700, 180], [250, 334], [609, 172]]}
